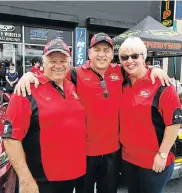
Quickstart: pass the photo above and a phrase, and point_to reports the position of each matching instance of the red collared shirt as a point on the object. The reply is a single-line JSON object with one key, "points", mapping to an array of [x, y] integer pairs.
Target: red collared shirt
{"points": [[52, 130], [36, 71], [145, 110], [101, 113]]}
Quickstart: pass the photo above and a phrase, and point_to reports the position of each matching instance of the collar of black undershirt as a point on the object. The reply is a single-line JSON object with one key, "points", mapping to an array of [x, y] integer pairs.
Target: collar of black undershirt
{"points": [[60, 90]]}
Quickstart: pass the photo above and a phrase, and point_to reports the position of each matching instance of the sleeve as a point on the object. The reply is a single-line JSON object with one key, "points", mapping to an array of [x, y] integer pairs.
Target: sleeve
{"points": [[17, 119], [170, 106]]}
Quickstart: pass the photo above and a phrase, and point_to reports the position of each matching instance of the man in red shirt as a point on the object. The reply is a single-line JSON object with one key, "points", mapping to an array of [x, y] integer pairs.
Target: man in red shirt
{"points": [[98, 84], [48, 127]]}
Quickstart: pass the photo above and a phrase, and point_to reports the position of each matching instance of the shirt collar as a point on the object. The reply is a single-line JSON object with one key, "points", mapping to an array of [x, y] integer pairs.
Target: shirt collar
{"points": [[87, 65], [146, 77], [44, 80]]}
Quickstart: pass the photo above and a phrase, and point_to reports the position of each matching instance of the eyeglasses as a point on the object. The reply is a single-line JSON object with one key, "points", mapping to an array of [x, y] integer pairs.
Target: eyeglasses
{"points": [[133, 56], [104, 86]]}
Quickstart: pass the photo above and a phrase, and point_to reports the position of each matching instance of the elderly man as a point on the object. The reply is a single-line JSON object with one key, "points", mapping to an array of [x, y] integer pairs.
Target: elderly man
{"points": [[44, 133], [98, 84]]}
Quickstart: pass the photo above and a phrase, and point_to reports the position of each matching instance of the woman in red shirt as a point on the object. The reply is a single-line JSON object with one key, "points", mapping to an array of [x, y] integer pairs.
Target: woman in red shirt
{"points": [[150, 117]]}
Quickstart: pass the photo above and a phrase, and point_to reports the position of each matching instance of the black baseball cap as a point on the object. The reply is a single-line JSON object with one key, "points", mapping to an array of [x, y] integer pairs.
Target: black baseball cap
{"points": [[101, 37]]}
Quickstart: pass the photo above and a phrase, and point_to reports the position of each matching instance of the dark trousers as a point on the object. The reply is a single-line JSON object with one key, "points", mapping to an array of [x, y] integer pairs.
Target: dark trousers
{"points": [[102, 170], [141, 180], [56, 187]]}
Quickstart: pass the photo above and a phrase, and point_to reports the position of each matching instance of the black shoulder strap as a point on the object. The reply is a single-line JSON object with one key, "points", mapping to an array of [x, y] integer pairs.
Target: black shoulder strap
{"points": [[73, 76]]}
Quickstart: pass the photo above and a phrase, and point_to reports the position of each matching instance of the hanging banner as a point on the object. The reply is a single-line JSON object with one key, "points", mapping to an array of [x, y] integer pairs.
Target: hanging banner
{"points": [[80, 46], [167, 13]]}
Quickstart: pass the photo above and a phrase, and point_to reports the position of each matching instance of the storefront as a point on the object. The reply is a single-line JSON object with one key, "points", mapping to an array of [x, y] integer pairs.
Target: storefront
{"points": [[19, 44]]}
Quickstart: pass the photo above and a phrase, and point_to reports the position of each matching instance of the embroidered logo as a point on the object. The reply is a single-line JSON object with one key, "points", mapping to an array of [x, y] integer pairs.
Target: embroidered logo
{"points": [[47, 98], [144, 93], [114, 77], [75, 95]]}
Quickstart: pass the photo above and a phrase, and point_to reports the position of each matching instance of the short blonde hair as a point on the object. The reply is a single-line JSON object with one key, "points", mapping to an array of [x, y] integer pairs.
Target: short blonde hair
{"points": [[134, 44]]}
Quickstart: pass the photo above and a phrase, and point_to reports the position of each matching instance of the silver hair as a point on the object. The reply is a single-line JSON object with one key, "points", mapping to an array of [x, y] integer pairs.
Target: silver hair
{"points": [[44, 59], [135, 44]]}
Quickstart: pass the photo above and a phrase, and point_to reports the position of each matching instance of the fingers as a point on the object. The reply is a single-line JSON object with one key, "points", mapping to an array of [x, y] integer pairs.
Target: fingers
{"points": [[167, 80], [157, 169], [22, 89], [36, 82], [161, 78], [26, 87]]}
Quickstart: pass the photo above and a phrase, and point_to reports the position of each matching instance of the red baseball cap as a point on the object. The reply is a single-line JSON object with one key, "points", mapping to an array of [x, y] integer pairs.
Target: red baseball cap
{"points": [[56, 45], [101, 37]]}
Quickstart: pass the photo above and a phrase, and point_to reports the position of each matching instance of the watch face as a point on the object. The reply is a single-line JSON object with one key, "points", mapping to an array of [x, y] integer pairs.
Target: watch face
{"points": [[163, 155]]}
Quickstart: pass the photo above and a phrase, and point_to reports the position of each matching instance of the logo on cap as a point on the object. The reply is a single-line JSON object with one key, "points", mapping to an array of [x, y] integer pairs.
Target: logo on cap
{"points": [[56, 45], [99, 38]]}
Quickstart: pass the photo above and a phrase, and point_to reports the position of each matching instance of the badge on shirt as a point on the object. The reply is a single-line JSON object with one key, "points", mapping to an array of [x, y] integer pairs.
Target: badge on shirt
{"points": [[114, 77], [144, 93]]}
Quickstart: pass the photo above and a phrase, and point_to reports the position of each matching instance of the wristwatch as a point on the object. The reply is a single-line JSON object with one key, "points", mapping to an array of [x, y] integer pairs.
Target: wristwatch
{"points": [[163, 155]]}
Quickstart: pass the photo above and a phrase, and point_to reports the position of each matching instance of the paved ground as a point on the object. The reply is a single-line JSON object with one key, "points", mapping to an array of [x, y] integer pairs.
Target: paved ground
{"points": [[174, 186]]}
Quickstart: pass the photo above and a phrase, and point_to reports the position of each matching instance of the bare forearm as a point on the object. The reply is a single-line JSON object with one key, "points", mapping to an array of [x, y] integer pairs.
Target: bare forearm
{"points": [[15, 81], [16, 155], [170, 135]]}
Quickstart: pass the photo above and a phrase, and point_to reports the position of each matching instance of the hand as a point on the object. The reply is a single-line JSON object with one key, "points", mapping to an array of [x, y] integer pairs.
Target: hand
{"points": [[161, 74], [159, 164], [23, 84], [28, 186]]}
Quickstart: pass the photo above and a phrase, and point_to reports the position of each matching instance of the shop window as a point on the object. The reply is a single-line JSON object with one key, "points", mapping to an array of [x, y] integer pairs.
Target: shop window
{"points": [[32, 51], [10, 53]]}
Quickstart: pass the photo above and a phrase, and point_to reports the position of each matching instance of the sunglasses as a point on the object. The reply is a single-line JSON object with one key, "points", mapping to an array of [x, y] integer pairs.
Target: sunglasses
{"points": [[133, 56], [104, 86]]}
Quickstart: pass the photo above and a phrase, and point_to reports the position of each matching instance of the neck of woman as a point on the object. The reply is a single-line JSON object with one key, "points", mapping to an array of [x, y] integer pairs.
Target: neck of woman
{"points": [[12, 71], [140, 74]]}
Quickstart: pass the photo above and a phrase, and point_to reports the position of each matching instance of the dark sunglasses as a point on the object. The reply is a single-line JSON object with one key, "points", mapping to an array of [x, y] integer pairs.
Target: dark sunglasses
{"points": [[133, 56], [104, 86]]}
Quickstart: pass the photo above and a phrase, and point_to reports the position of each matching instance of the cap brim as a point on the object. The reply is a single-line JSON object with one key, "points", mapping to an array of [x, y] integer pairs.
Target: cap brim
{"points": [[101, 42], [57, 50]]}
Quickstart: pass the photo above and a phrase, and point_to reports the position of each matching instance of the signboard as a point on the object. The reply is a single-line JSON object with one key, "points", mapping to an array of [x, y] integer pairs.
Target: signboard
{"points": [[167, 13], [80, 46], [42, 35], [10, 33]]}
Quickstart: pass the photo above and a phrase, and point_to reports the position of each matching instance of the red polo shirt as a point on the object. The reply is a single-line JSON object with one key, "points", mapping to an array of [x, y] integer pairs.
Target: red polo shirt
{"points": [[145, 111], [52, 130], [101, 113], [36, 71]]}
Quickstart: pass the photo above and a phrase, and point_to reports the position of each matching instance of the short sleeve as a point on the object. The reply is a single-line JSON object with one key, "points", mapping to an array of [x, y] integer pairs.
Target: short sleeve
{"points": [[170, 106], [17, 119]]}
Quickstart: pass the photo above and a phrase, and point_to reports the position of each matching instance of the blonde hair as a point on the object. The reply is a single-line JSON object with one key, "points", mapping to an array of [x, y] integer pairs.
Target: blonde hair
{"points": [[134, 44]]}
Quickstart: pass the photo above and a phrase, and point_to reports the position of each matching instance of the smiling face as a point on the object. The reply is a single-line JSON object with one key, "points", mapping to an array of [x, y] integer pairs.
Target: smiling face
{"points": [[135, 62], [132, 55], [56, 66], [101, 55]]}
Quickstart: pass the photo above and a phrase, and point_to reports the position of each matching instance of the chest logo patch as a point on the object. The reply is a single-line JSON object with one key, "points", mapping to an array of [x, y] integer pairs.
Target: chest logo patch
{"points": [[75, 95], [114, 77], [144, 93]]}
